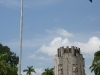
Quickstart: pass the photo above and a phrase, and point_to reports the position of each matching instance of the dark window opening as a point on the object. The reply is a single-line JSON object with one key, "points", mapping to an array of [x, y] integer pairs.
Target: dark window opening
{"points": [[69, 50], [65, 51]]}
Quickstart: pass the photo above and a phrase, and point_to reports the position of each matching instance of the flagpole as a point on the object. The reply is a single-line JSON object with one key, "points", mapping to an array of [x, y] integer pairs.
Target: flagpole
{"points": [[21, 31]]}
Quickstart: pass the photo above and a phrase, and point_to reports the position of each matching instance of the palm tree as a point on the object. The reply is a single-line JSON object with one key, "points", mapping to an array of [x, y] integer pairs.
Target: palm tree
{"points": [[96, 63], [29, 70], [48, 71]]}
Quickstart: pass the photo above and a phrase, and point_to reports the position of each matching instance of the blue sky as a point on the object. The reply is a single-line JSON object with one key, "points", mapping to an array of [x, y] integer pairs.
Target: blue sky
{"points": [[48, 25]]}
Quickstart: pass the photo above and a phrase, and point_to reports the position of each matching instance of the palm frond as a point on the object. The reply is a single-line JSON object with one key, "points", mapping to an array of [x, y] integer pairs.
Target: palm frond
{"points": [[96, 63], [25, 70]]}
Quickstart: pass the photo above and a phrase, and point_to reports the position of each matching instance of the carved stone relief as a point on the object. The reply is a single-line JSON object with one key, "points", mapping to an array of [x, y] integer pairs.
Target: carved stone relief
{"points": [[60, 69]]}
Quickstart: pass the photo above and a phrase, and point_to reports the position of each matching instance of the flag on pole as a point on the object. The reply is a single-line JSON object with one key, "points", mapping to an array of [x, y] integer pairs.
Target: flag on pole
{"points": [[90, 1]]}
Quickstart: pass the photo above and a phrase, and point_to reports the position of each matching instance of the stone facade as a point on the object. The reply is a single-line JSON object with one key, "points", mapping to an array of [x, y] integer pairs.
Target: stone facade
{"points": [[69, 61]]}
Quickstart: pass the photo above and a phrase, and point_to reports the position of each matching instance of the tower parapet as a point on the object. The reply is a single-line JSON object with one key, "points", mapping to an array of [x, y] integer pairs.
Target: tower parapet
{"points": [[69, 61], [73, 50]]}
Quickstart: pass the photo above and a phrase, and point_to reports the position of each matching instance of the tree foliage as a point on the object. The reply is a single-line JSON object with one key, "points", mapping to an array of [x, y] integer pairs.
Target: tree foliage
{"points": [[6, 68], [48, 71], [12, 58], [96, 63], [29, 70], [8, 61]]}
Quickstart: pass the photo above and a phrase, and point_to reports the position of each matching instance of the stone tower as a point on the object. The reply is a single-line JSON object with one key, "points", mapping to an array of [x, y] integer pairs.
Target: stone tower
{"points": [[69, 61]]}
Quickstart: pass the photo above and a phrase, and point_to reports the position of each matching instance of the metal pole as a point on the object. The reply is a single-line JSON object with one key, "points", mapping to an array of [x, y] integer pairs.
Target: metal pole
{"points": [[21, 31]]}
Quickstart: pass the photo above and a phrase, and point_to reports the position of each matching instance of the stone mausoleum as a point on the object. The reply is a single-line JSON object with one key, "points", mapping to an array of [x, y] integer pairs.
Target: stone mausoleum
{"points": [[69, 61]]}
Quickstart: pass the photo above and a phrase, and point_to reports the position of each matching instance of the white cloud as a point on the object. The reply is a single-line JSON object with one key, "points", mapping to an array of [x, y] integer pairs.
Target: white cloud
{"points": [[64, 33], [51, 49], [60, 32], [39, 71], [88, 48], [33, 56], [91, 46]]}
